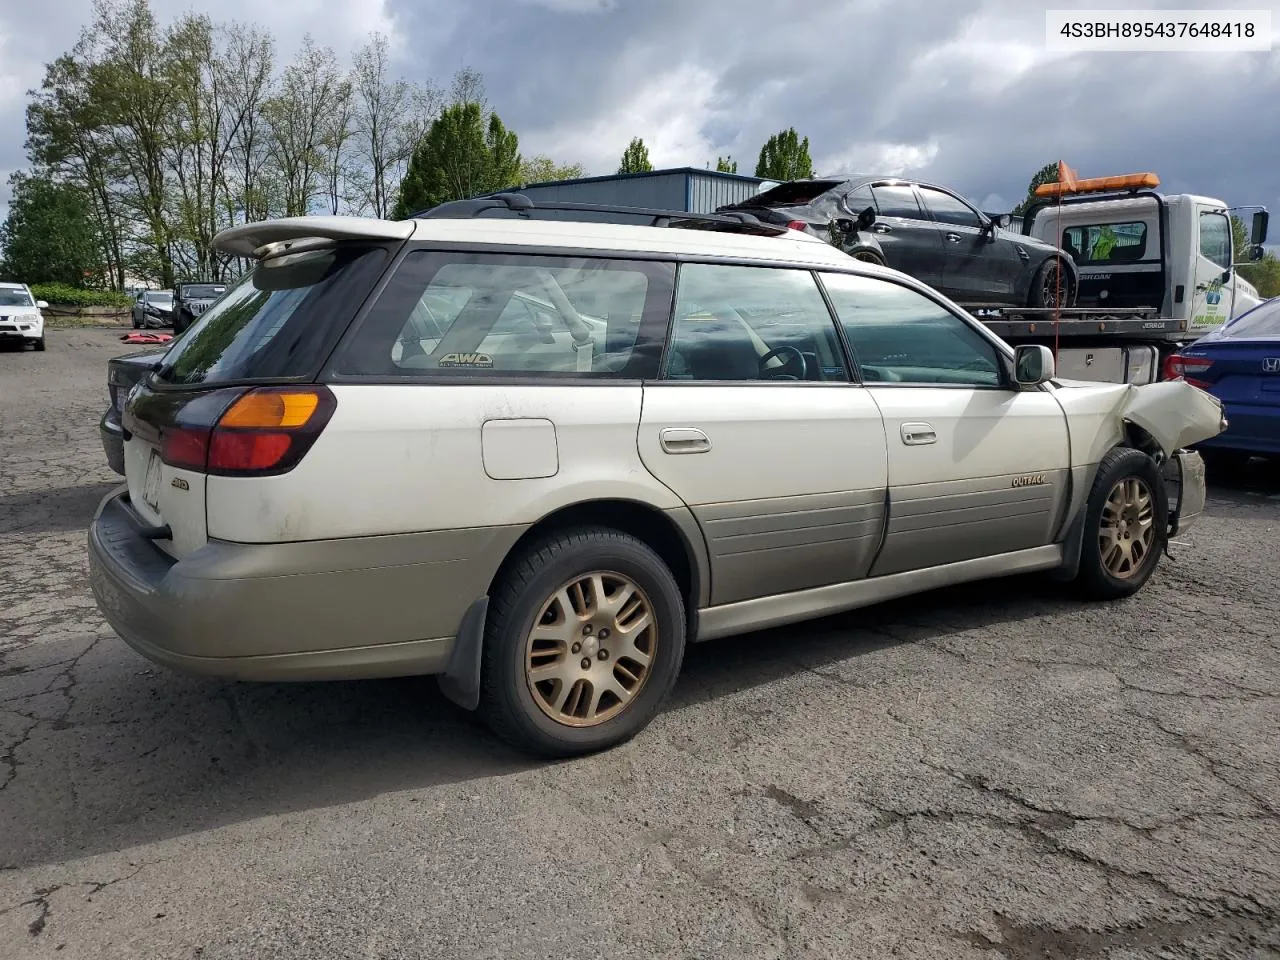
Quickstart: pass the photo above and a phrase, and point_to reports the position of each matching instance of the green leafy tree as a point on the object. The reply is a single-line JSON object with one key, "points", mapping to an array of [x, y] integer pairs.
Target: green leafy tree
{"points": [[726, 165], [541, 169], [1263, 274], [1046, 174], [635, 159], [461, 156], [785, 156], [50, 235]]}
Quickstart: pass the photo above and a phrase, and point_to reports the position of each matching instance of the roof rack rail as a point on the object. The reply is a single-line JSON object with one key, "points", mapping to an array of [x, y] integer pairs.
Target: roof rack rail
{"points": [[521, 205]]}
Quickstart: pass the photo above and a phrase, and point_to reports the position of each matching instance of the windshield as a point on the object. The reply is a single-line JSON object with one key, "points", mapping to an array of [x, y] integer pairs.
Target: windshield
{"points": [[278, 322], [165, 297], [206, 291], [1262, 322], [13, 297]]}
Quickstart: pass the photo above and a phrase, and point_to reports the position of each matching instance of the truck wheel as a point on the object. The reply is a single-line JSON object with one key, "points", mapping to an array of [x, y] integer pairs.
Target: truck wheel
{"points": [[1052, 286], [1126, 525], [583, 642]]}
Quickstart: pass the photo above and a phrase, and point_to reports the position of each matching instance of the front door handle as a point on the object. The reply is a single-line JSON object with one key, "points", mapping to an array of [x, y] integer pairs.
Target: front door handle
{"points": [[684, 440], [917, 434], [953, 237], [882, 228]]}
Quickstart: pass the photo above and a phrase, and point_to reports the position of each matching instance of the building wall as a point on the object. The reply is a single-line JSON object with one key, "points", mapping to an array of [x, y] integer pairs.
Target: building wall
{"points": [[694, 191]]}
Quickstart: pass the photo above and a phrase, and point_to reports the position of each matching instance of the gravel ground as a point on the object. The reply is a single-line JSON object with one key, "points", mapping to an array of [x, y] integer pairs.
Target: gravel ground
{"points": [[990, 772]]}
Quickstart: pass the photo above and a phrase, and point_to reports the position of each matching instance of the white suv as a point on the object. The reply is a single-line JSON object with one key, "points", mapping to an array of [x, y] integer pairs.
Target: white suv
{"points": [[21, 321], [537, 458]]}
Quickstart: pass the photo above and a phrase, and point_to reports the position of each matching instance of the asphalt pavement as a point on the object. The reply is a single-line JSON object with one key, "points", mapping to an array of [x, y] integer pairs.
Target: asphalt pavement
{"points": [[997, 771]]}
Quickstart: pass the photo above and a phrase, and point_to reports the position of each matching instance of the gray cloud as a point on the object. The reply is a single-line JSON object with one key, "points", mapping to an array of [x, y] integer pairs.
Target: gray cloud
{"points": [[963, 94]]}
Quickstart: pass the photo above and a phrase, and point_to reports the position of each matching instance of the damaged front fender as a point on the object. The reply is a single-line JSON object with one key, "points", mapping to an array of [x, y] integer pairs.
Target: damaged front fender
{"points": [[1174, 413]]}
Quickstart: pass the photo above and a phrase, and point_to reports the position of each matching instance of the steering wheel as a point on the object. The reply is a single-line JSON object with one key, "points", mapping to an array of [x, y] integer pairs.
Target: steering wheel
{"points": [[793, 354]]}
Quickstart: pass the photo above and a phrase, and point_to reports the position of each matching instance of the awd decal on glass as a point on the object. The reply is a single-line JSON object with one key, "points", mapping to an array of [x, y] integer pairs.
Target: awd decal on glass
{"points": [[477, 360]]}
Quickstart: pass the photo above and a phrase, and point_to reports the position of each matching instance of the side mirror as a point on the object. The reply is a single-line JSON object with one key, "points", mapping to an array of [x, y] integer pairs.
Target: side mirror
{"points": [[866, 218], [1259, 232], [42, 304], [845, 225], [1004, 221], [1033, 365]]}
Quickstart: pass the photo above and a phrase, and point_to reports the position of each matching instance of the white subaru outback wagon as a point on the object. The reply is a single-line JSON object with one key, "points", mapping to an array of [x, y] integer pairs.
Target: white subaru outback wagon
{"points": [[537, 458]]}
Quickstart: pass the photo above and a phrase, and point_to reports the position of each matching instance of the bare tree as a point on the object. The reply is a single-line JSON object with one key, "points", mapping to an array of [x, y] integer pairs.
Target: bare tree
{"points": [[299, 115]]}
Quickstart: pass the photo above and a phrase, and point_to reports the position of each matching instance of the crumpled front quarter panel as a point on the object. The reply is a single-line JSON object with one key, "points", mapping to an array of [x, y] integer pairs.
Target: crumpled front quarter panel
{"points": [[1173, 412]]}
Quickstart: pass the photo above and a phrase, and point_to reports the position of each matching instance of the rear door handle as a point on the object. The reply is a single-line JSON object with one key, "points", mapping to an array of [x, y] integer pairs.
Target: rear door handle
{"points": [[917, 434], [953, 237], [684, 440]]}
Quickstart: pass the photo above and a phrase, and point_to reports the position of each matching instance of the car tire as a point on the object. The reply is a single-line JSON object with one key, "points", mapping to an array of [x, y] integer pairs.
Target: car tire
{"points": [[578, 706], [137, 325], [868, 256], [39, 345], [1045, 282], [1127, 511]]}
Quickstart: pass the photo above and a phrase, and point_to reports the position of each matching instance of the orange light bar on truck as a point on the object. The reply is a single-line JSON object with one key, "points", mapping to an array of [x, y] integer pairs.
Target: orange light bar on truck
{"points": [[1130, 181]]}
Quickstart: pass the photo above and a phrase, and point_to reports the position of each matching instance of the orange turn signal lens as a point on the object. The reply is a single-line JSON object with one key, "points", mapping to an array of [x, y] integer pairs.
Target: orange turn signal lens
{"points": [[271, 410]]}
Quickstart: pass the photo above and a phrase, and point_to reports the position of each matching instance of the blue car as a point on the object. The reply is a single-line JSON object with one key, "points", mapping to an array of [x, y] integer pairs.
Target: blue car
{"points": [[1240, 365]]}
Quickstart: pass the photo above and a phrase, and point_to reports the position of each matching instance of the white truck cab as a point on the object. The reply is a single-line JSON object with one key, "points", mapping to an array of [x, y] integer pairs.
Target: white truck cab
{"points": [[1157, 270]]}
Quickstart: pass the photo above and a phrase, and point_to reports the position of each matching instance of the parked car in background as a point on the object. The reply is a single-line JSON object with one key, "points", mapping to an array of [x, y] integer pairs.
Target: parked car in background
{"points": [[537, 458], [190, 300], [153, 308], [1240, 365], [927, 231], [122, 373], [21, 321]]}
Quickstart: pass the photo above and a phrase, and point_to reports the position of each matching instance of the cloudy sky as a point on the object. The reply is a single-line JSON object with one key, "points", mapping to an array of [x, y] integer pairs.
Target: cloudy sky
{"points": [[964, 93]]}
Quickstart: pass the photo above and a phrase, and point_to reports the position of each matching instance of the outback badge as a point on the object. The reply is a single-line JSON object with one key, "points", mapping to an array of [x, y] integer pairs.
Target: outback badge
{"points": [[1031, 480]]}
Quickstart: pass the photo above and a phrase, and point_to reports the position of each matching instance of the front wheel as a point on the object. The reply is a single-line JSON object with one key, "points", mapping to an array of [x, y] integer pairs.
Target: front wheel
{"points": [[583, 642], [1126, 526], [39, 345], [1052, 286]]}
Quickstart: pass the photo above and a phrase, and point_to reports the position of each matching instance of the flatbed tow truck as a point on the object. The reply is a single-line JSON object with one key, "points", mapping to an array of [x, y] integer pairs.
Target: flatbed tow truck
{"points": [[1156, 272]]}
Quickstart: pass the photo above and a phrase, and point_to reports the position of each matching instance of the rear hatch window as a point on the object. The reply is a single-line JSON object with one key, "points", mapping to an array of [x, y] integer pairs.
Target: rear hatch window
{"points": [[791, 194], [279, 321]]}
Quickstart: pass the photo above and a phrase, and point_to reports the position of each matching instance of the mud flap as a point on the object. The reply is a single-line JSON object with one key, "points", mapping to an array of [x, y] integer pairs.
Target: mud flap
{"points": [[461, 680]]}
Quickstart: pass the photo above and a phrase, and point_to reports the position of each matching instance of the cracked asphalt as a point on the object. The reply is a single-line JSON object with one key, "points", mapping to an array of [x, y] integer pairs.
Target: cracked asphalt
{"points": [[991, 772]]}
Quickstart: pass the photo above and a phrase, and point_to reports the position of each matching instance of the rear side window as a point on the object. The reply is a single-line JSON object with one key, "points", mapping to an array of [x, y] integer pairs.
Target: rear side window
{"points": [[1106, 242], [504, 315], [280, 321], [949, 209], [897, 201]]}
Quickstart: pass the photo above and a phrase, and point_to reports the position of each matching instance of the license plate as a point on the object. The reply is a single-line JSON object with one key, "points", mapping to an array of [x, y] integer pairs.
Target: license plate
{"points": [[151, 486]]}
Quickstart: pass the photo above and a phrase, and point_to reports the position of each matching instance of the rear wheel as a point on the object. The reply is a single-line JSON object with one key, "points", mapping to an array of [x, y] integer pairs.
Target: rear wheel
{"points": [[1126, 526], [583, 642], [868, 256]]}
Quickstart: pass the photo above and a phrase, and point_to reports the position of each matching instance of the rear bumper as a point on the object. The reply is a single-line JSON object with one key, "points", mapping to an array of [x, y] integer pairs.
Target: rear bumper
{"points": [[1184, 479], [328, 610]]}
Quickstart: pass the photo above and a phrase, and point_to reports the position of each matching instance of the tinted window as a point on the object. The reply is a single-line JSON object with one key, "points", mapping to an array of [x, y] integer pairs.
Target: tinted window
{"points": [[1215, 238], [859, 198], [729, 319], [279, 321], [10, 297], [1106, 242], [158, 297], [896, 202], [1261, 321], [949, 209], [900, 336], [507, 315]]}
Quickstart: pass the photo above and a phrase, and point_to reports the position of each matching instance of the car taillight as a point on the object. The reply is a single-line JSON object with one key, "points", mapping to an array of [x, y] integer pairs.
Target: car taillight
{"points": [[797, 225], [264, 432], [1177, 366]]}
